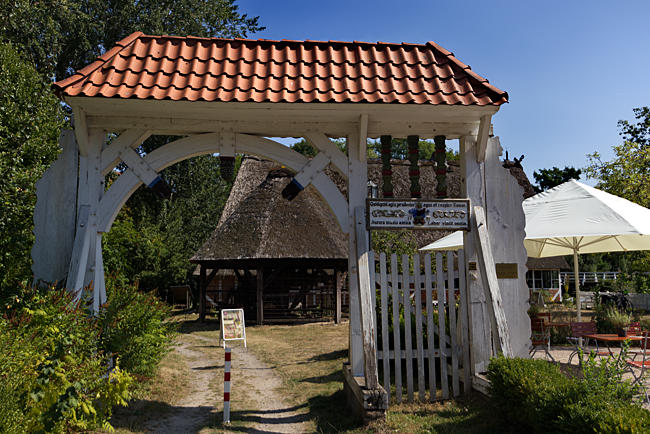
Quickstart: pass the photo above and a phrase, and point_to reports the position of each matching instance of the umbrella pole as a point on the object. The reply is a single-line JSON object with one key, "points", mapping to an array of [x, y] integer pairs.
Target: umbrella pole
{"points": [[577, 281]]}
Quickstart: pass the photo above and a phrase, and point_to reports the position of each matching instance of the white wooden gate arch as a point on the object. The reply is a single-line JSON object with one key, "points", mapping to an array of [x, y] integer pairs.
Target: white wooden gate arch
{"points": [[210, 143], [224, 96]]}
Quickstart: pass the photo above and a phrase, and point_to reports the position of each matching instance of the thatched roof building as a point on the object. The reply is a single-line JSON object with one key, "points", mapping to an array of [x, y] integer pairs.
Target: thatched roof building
{"points": [[258, 225], [260, 235]]}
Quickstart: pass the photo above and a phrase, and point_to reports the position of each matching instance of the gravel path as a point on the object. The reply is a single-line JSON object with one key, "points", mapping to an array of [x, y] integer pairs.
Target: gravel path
{"points": [[254, 382]]}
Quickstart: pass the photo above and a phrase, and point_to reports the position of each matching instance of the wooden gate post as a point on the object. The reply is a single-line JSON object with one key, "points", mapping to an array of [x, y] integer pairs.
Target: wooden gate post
{"points": [[480, 330]]}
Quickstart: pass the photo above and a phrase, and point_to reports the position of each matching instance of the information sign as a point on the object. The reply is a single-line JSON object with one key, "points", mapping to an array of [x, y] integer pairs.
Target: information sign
{"points": [[452, 214], [233, 327]]}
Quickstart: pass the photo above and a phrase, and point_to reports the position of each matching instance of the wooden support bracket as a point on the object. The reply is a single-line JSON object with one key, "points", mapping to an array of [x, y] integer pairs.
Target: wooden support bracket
{"points": [[139, 166], [310, 170], [129, 139], [490, 282], [327, 147], [482, 138]]}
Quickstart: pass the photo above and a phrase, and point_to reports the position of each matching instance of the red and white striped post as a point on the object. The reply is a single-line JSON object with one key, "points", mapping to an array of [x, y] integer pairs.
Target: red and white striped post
{"points": [[226, 387]]}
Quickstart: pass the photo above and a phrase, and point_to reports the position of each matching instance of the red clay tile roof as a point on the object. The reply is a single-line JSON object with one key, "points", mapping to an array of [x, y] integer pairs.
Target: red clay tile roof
{"points": [[212, 69]]}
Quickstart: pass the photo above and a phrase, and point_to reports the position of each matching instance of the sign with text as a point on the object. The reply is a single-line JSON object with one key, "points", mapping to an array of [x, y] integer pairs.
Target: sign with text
{"points": [[452, 214], [232, 325]]}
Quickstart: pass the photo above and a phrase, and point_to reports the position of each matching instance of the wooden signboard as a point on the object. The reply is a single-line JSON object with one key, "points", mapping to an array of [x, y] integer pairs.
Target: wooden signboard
{"points": [[232, 326], [452, 214]]}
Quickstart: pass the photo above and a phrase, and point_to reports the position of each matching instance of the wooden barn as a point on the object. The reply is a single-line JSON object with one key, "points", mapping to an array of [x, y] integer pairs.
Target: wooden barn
{"points": [[281, 260]]}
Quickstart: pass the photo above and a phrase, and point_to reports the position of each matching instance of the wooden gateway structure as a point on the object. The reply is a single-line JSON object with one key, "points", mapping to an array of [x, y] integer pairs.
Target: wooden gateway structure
{"points": [[228, 96]]}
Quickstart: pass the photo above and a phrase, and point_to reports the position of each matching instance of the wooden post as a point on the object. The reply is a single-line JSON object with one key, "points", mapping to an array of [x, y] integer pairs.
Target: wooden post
{"points": [[473, 188], [357, 193], [260, 296], [367, 310], [202, 289], [488, 271], [340, 279]]}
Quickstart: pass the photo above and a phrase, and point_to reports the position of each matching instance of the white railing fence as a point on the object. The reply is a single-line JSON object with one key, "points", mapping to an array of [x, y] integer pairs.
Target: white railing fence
{"points": [[422, 324]]}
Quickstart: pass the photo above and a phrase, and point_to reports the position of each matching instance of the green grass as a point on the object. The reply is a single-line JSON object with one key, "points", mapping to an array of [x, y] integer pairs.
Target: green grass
{"points": [[467, 415]]}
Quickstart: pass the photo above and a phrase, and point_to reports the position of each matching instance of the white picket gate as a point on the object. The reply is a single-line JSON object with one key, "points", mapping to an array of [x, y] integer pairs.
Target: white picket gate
{"points": [[441, 356]]}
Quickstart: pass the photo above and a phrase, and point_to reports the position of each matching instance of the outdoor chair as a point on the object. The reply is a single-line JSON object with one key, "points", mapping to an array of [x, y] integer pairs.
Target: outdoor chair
{"points": [[578, 331], [634, 329], [639, 368], [540, 337]]}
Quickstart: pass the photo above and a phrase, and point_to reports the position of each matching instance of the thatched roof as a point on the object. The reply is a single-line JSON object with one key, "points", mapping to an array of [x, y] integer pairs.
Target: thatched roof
{"points": [[553, 263], [257, 223]]}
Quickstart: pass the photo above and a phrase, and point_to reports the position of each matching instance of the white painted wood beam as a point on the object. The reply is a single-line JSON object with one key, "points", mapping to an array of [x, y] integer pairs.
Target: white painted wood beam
{"points": [[129, 139], [482, 138], [363, 137], [80, 129], [286, 128], [490, 281], [139, 166], [79, 257], [227, 142], [329, 148], [310, 170], [367, 307]]}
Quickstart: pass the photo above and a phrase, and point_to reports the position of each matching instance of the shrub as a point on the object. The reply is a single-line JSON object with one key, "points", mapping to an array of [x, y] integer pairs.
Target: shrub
{"points": [[52, 378], [533, 395], [133, 328]]}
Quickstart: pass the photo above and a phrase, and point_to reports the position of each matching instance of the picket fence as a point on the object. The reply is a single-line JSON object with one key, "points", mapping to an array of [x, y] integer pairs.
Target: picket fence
{"points": [[443, 357]]}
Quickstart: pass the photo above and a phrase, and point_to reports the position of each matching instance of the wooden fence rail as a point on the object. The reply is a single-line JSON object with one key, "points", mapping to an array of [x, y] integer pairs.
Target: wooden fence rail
{"points": [[428, 343]]}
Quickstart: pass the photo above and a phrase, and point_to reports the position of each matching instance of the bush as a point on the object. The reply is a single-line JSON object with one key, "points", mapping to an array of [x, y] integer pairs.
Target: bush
{"points": [[133, 328], [52, 378], [534, 395]]}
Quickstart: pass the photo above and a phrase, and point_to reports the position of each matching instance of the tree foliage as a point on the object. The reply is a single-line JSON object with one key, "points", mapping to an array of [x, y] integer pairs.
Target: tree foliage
{"points": [[54, 38], [627, 175], [30, 121], [62, 36], [549, 178], [152, 239]]}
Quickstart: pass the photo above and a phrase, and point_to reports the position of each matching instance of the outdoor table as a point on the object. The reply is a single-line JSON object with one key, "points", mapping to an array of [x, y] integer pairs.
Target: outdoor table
{"points": [[609, 338]]}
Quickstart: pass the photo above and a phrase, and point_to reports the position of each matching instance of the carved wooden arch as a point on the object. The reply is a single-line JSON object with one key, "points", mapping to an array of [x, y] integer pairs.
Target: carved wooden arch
{"points": [[208, 143]]}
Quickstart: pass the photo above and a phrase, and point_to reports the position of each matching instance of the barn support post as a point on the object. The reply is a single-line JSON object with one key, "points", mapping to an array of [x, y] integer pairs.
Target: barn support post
{"points": [[340, 280], [260, 296], [202, 289]]}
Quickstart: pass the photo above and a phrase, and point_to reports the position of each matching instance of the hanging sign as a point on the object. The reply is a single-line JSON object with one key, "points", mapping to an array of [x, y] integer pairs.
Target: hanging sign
{"points": [[232, 325], [452, 214]]}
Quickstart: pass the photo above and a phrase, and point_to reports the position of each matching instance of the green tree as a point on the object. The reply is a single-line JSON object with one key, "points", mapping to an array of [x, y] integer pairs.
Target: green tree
{"points": [[30, 122], [549, 178], [152, 239], [62, 36], [627, 175]]}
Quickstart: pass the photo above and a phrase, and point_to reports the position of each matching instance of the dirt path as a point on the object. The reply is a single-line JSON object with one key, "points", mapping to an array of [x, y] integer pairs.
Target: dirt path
{"points": [[197, 408], [272, 414], [257, 405]]}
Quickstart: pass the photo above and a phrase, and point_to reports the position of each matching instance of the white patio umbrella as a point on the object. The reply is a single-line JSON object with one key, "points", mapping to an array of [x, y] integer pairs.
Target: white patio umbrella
{"points": [[574, 218]]}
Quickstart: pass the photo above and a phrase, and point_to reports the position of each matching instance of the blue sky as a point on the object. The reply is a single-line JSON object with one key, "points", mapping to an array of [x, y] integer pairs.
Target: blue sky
{"points": [[572, 68]]}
